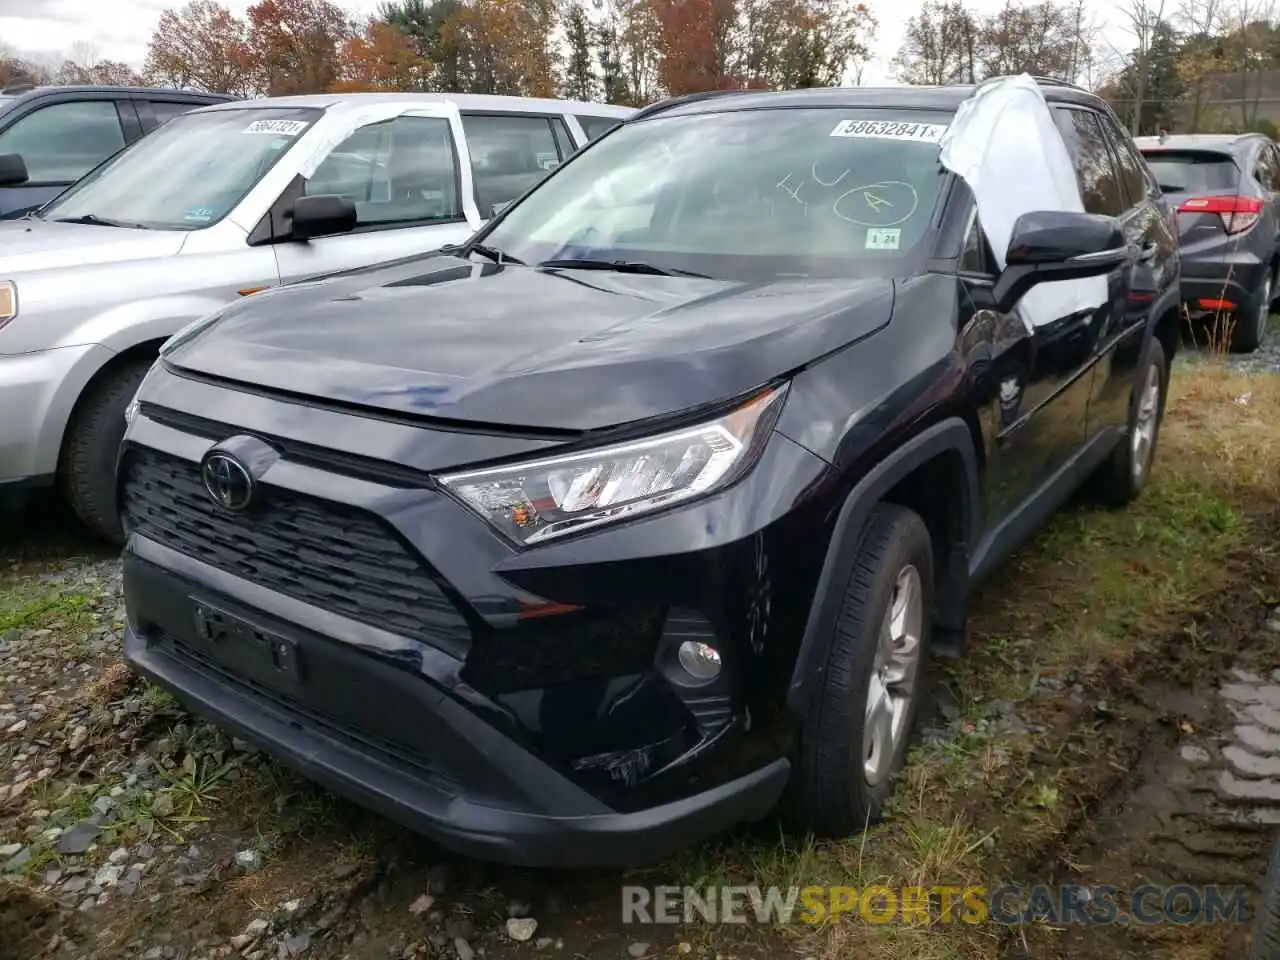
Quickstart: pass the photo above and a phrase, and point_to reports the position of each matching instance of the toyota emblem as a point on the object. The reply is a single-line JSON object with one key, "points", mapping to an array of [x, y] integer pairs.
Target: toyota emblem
{"points": [[227, 480]]}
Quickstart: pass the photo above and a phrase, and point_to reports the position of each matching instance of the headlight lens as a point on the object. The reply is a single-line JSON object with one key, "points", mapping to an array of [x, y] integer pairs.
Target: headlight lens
{"points": [[8, 301], [539, 500]]}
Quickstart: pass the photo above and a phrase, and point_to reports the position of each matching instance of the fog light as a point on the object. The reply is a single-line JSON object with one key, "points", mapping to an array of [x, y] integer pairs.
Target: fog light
{"points": [[700, 660]]}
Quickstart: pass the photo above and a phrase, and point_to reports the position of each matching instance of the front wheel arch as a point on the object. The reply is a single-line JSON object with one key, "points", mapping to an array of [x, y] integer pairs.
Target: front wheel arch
{"points": [[950, 437]]}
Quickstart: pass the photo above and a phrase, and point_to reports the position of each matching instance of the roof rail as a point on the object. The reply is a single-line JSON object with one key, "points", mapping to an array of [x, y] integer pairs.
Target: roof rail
{"points": [[18, 86], [670, 102], [1042, 81]]}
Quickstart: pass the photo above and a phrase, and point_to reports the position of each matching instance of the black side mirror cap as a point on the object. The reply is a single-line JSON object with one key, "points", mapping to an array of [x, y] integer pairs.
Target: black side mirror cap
{"points": [[1053, 245], [321, 216], [13, 170]]}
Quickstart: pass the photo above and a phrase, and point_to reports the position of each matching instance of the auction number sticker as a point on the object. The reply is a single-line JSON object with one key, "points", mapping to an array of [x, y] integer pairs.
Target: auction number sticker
{"points": [[286, 128], [889, 130]]}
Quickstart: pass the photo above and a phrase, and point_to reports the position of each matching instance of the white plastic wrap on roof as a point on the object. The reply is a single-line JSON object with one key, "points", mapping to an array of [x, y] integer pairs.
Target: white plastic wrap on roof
{"points": [[1004, 144]]}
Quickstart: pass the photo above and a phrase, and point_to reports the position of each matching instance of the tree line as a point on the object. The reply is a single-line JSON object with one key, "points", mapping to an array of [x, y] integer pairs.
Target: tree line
{"points": [[1186, 66], [621, 51]]}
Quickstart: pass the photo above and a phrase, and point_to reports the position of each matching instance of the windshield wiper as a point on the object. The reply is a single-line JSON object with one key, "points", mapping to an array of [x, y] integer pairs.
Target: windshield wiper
{"points": [[494, 254], [94, 220], [619, 266]]}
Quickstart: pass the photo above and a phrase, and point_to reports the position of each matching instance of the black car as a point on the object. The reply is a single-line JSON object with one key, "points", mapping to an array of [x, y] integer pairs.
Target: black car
{"points": [[1225, 188], [635, 514], [52, 136]]}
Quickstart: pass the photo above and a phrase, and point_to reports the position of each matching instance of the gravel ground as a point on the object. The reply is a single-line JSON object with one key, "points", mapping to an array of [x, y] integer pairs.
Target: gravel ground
{"points": [[1266, 359], [130, 829]]}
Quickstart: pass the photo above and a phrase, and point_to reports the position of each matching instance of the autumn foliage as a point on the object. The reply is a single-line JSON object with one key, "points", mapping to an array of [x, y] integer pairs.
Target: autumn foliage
{"points": [[623, 51]]}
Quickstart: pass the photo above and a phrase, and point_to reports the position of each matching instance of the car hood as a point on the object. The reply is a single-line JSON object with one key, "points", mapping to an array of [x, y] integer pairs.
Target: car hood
{"points": [[29, 245], [513, 346]]}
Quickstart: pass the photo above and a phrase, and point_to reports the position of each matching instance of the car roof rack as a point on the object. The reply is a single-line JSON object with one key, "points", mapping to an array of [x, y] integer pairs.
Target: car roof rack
{"points": [[1042, 81], [671, 102]]}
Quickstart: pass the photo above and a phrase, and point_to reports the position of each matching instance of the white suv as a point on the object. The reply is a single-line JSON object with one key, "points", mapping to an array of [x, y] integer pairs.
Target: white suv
{"points": [[220, 203]]}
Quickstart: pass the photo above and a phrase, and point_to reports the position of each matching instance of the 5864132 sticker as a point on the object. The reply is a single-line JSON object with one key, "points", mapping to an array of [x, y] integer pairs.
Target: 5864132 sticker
{"points": [[889, 130], [284, 128]]}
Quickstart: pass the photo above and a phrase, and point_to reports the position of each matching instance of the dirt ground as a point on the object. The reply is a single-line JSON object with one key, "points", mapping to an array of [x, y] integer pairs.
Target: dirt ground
{"points": [[1079, 742]]}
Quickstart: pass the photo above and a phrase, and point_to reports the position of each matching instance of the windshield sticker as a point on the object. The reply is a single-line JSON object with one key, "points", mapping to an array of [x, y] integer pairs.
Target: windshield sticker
{"points": [[880, 239], [285, 128], [889, 130], [198, 215]]}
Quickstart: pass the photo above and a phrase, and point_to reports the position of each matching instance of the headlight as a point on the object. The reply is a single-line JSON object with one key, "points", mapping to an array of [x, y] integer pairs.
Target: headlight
{"points": [[538, 500], [8, 301]]}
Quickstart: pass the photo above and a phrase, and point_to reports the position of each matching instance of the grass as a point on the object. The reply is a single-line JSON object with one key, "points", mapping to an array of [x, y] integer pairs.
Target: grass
{"points": [[1089, 598], [1091, 603], [20, 611]]}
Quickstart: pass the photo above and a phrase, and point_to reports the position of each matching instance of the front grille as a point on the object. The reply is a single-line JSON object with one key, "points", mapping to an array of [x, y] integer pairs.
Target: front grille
{"points": [[334, 557]]}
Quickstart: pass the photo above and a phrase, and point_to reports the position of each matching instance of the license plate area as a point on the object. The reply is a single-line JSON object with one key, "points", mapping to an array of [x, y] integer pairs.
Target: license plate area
{"points": [[246, 648]]}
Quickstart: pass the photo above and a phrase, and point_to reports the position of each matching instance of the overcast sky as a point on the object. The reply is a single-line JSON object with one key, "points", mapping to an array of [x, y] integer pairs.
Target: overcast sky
{"points": [[120, 29]]}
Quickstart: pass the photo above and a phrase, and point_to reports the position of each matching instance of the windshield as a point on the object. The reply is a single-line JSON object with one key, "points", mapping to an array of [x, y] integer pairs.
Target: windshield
{"points": [[746, 195], [1193, 172], [186, 174]]}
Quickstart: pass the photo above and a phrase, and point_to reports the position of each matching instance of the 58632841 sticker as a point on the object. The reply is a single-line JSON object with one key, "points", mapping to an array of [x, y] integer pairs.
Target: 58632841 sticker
{"points": [[889, 130], [284, 128]]}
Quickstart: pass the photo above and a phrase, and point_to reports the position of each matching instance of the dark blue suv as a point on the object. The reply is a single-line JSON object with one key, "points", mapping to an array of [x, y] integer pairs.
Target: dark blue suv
{"points": [[1226, 188], [61, 133]]}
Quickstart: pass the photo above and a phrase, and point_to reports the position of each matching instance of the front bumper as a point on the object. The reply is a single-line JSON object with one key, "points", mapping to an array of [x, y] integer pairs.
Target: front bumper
{"points": [[37, 394], [489, 798]]}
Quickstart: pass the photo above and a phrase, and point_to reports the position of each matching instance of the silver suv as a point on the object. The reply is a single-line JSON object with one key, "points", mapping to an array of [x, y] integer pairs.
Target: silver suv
{"points": [[221, 203]]}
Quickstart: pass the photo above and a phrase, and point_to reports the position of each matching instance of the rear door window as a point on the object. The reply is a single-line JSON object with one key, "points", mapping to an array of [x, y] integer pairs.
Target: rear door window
{"points": [[62, 142], [509, 154], [1132, 175], [1193, 171], [1101, 189], [595, 127], [168, 109], [1267, 171], [397, 171]]}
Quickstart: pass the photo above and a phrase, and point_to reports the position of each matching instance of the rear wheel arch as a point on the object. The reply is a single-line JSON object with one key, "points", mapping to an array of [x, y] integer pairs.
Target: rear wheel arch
{"points": [[942, 455]]}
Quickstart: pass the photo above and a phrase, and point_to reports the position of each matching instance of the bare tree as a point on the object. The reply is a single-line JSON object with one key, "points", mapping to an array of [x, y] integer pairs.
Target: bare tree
{"points": [[940, 45], [1246, 31], [1199, 59], [1141, 17]]}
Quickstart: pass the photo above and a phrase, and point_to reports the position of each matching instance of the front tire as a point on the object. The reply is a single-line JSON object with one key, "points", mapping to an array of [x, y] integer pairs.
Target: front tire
{"points": [[87, 469], [855, 738], [1123, 475]]}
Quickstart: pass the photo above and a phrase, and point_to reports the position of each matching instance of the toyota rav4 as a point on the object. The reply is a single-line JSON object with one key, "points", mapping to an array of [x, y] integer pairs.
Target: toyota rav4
{"points": [[639, 512]]}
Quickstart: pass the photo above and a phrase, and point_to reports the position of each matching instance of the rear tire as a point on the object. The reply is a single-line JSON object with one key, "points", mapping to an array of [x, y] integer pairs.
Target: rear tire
{"points": [[1122, 476], [1254, 317], [845, 770], [87, 468]]}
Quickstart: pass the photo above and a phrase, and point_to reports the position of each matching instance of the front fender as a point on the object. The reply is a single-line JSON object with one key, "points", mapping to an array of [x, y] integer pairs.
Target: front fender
{"points": [[947, 436], [126, 325]]}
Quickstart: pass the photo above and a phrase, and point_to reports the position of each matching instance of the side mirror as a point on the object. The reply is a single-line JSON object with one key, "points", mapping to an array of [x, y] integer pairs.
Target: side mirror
{"points": [[1051, 245], [13, 170], [321, 216]]}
